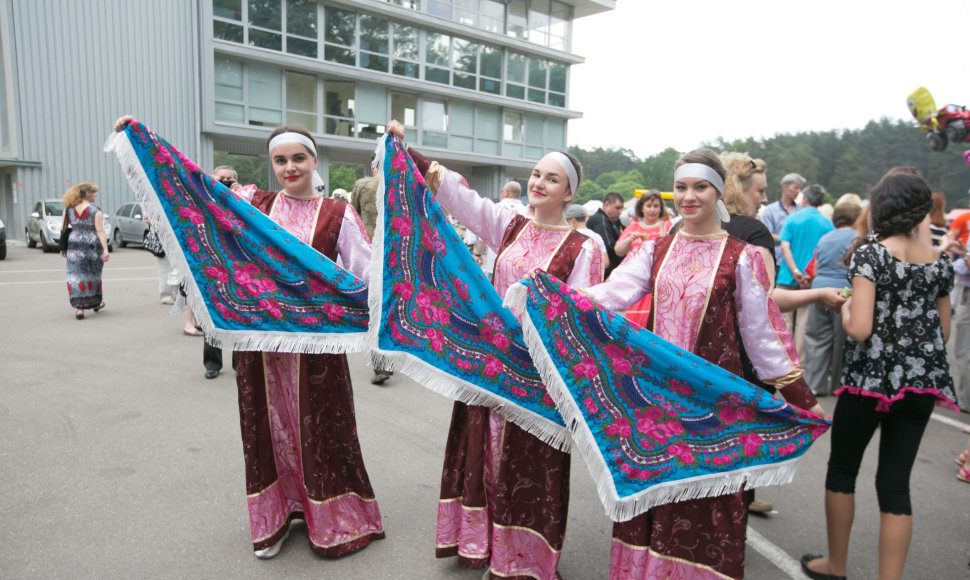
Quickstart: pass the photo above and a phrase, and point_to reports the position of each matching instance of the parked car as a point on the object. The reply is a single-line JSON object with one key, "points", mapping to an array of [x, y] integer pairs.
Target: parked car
{"points": [[3, 240], [44, 225], [129, 225]]}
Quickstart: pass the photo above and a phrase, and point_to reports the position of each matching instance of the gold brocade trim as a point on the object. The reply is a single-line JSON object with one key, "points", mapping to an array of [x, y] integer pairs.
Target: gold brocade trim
{"points": [[685, 235], [463, 506], [785, 379], [264, 490], [434, 176], [472, 556], [552, 227], [531, 531], [672, 558], [336, 497], [710, 288]]}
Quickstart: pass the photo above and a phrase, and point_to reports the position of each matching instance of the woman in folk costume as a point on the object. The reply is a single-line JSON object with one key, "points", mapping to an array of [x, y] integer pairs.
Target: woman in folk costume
{"points": [[710, 294], [505, 493], [303, 458]]}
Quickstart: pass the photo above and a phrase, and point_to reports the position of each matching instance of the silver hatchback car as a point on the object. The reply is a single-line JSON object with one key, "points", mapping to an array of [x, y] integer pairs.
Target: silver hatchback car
{"points": [[44, 225], [129, 225]]}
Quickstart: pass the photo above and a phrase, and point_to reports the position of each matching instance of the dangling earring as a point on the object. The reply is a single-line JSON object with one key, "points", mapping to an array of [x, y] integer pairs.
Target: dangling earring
{"points": [[721, 211]]}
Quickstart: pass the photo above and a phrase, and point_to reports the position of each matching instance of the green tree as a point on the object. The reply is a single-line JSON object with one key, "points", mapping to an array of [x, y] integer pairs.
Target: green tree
{"points": [[344, 176], [588, 191]]}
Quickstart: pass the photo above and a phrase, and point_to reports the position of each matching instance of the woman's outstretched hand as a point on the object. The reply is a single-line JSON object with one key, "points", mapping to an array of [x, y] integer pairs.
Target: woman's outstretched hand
{"points": [[122, 122], [394, 127]]}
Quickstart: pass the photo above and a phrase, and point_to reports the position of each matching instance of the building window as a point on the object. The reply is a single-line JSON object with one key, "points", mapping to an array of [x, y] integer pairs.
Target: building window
{"points": [[404, 108], [339, 104], [265, 92], [371, 110], [488, 129], [412, 4], [465, 63], [434, 123], [542, 22], [301, 101], [407, 59], [437, 58], [535, 80], [512, 134], [374, 41], [339, 32], [230, 105], [461, 125], [301, 27], [264, 24], [227, 20]]}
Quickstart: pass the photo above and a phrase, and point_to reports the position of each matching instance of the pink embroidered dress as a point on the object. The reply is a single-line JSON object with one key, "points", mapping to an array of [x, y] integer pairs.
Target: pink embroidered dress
{"points": [[504, 493], [639, 313], [296, 411], [709, 295]]}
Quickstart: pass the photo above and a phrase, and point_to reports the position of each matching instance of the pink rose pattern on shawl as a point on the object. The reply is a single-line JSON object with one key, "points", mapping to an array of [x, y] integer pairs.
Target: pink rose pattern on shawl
{"points": [[652, 425], [447, 320], [247, 275]]}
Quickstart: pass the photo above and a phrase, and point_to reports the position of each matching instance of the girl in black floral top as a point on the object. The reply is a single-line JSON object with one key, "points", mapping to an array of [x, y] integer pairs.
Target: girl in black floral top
{"points": [[894, 371]]}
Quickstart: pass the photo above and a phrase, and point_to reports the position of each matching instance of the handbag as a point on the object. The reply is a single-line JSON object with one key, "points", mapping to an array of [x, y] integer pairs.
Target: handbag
{"points": [[65, 233]]}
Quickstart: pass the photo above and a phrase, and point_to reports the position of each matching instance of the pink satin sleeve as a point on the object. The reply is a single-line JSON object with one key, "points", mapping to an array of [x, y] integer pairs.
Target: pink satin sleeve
{"points": [[485, 218], [588, 269], [353, 245], [767, 341], [628, 283]]}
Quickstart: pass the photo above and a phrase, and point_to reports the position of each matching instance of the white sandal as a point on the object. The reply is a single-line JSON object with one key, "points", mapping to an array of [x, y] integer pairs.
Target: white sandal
{"points": [[272, 551]]}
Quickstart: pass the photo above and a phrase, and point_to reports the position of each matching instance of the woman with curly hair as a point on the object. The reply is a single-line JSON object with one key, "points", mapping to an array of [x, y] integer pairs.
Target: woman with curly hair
{"points": [[894, 372], [87, 248]]}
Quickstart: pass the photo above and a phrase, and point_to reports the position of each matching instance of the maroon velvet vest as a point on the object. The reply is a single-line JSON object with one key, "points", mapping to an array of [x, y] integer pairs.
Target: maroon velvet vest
{"points": [[719, 335], [561, 265], [328, 223]]}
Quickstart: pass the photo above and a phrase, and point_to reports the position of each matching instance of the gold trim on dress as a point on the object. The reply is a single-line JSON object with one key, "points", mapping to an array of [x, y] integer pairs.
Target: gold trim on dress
{"points": [[785, 379], [531, 531], [719, 234], [555, 228], [655, 554]]}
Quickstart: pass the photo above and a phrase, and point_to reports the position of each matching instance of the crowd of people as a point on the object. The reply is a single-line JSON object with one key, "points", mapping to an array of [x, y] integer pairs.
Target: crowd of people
{"points": [[803, 299]]}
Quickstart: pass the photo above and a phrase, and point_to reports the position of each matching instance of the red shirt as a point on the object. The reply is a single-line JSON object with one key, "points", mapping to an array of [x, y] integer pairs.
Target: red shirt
{"points": [[959, 226]]}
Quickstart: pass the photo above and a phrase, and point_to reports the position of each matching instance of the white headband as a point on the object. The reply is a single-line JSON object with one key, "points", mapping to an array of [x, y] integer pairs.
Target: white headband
{"points": [[700, 171], [567, 165], [291, 137], [319, 187]]}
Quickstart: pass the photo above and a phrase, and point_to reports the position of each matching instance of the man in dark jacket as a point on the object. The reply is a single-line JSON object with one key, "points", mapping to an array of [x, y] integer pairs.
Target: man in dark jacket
{"points": [[606, 223]]}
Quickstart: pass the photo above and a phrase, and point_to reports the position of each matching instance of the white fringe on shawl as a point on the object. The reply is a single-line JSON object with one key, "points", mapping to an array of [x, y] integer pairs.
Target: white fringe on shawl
{"points": [[433, 378], [621, 509], [257, 340]]}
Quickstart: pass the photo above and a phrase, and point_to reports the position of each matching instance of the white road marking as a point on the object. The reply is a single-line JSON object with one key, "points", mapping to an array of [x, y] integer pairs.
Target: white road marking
{"points": [[951, 422], [113, 268], [65, 282], [775, 555]]}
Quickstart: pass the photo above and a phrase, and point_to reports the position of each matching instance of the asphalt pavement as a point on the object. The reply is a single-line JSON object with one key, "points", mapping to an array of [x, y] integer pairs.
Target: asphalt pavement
{"points": [[120, 460]]}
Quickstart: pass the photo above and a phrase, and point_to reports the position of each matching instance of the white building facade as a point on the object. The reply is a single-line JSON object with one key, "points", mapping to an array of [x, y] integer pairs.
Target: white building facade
{"points": [[480, 85]]}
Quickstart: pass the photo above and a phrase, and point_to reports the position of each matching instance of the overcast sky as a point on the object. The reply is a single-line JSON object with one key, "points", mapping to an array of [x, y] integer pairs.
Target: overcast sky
{"points": [[667, 73]]}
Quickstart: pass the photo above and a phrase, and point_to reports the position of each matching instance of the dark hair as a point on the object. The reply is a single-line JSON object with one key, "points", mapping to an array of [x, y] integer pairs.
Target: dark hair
{"points": [[939, 208], [704, 157], [612, 197], [845, 214], [652, 194], [299, 130], [814, 195], [899, 203]]}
